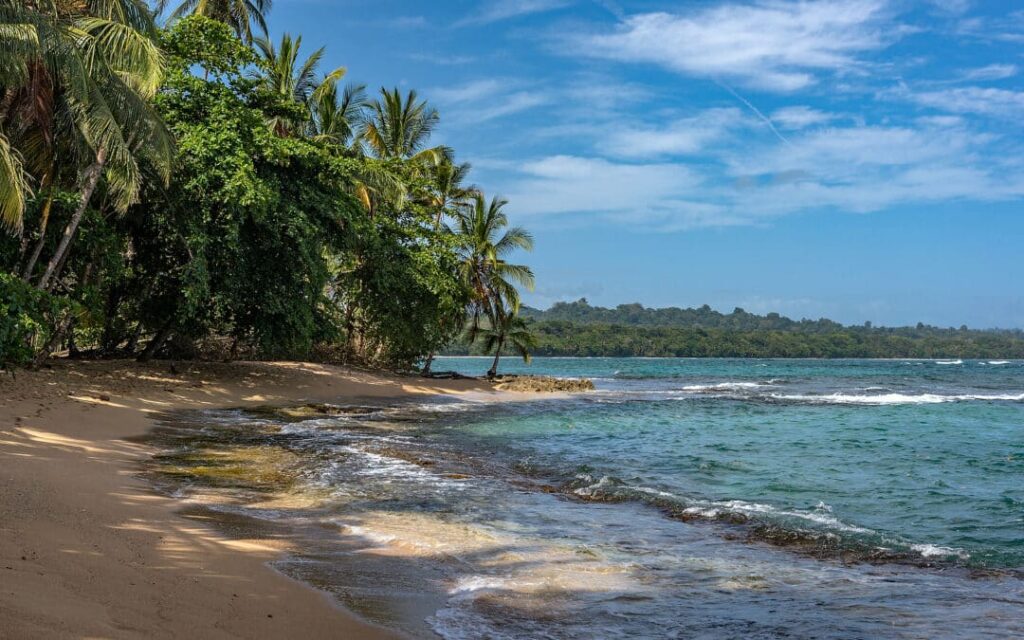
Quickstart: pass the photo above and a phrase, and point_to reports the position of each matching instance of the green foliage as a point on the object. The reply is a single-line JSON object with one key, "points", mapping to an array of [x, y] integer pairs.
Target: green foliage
{"points": [[265, 226], [26, 316]]}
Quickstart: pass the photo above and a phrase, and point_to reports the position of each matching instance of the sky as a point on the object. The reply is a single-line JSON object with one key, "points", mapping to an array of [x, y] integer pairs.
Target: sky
{"points": [[852, 159]]}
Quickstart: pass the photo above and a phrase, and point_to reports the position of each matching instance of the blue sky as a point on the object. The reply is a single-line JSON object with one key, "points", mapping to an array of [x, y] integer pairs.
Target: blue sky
{"points": [[854, 159]]}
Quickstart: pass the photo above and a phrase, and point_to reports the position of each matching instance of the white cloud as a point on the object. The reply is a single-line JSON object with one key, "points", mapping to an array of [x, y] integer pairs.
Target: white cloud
{"points": [[854, 169], [678, 137], [867, 169], [991, 72], [560, 185], [980, 100], [772, 44], [484, 100], [497, 10], [800, 117]]}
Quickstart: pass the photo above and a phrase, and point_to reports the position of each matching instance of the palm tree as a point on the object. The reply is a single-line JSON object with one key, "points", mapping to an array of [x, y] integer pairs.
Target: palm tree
{"points": [[506, 328], [447, 192], [284, 75], [484, 240], [399, 128], [237, 14], [76, 88], [335, 119]]}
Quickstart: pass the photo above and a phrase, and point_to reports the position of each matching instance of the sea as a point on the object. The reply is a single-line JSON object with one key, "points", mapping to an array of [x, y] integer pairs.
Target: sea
{"points": [[682, 498]]}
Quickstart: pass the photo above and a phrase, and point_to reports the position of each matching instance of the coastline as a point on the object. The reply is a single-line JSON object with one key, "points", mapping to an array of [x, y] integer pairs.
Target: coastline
{"points": [[89, 550]]}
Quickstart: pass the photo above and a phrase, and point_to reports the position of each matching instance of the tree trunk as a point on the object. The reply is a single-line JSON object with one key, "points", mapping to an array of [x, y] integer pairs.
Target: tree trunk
{"points": [[62, 327], [55, 339], [426, 366], [73, 350], [158, 341], [91, 178], [111, 337], [497, 354], [133, 342], [44, 219]]}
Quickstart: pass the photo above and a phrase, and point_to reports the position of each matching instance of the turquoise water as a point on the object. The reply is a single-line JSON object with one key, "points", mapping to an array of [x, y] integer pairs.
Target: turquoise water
{"points": [[910, 457], [703, 499]]}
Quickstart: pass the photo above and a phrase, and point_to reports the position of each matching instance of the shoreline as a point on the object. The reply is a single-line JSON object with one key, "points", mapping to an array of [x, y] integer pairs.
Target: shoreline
{"points": [[89, 549]]}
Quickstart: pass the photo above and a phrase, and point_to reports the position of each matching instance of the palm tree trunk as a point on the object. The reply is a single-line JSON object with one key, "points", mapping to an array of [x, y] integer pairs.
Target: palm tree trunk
{"points": [[90, 179], [26, 275], [497, 354], [426, 365], [55, 339], [156, 342], [62, 327]]}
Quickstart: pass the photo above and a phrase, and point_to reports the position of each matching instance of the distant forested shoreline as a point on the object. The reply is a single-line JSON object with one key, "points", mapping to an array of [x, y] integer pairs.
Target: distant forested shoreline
{"points": [[579, 329]]}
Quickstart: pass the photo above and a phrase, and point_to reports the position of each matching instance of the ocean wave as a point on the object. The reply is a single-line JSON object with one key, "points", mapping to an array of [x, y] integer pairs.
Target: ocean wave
{"points": [[609, 487], [896, 398], [949, 361], [998, 362], [819, 523], [726, 386], [936, 551]]}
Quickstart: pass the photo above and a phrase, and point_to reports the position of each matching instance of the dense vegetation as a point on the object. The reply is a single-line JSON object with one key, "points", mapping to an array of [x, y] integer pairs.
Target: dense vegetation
{"points": [[196, 189], [579, 329]]}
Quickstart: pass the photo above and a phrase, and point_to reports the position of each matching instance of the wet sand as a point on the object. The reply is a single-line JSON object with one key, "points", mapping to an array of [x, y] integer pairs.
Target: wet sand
{"points": [[87, 549]]}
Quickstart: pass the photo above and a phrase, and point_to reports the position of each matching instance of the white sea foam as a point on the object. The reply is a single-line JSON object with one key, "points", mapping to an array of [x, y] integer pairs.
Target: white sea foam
{"points": [[931, 550], [473, 584], [949, 362], [998, 362], [725, 386], [379, 539], [896, 398]]}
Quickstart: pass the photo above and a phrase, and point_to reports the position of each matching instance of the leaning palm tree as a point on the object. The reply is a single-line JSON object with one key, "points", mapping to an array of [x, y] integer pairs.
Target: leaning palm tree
{"points": [[75, 100], [335, 118], [240, 15], [506, 328], [283, 74], [484, 241], [399, 128]]}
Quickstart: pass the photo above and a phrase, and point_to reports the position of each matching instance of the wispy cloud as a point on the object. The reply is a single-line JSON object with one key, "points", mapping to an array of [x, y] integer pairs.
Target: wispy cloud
{"points": [[498, 10], [991, 72], [986, 101], [573, 184], [484, 100], [682, 136], [856, 169], [772, 44], [801, 116]]}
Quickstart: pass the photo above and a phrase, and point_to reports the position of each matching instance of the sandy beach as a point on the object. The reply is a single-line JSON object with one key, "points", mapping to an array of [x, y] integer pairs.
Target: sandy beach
{"points": [[87, 549]]}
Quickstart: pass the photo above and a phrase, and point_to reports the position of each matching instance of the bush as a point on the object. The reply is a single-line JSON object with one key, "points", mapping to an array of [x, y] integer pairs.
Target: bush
{"points": [[26, 318]]}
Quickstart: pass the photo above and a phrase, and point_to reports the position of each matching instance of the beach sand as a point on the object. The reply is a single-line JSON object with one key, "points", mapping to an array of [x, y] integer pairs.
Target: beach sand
{"points": [[88, 550]]}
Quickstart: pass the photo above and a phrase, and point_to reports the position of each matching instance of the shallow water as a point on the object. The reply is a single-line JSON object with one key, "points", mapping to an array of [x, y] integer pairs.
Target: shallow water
{"points": [[683, 498]]}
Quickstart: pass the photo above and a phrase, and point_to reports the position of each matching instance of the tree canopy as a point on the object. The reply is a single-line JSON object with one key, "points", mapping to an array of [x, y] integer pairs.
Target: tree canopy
{"points": [[220, 195]]}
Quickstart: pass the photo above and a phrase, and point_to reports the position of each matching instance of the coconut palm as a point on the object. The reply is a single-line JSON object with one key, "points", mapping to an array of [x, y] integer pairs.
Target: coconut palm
{"points": [[506, 328], [399, 128], [75, 94], [282, 73], [335, 118], [240, 15], [484, 241], [447, 191]]}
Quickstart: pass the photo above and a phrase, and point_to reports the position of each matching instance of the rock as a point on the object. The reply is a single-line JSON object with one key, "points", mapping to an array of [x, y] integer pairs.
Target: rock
{"points": [[542, 384]]}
